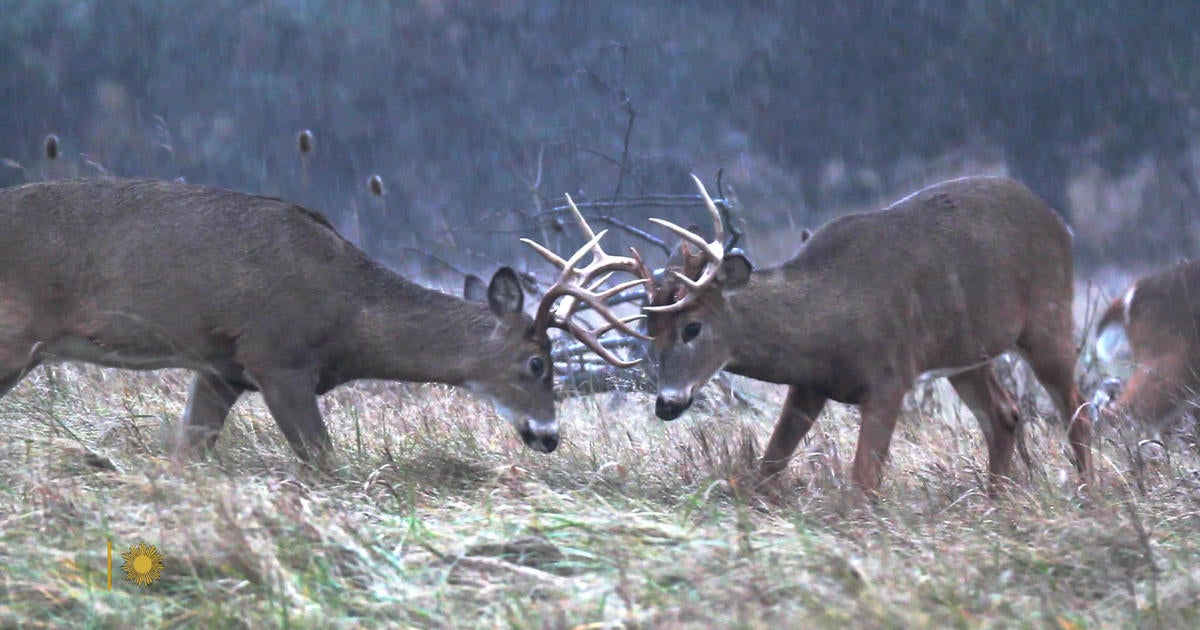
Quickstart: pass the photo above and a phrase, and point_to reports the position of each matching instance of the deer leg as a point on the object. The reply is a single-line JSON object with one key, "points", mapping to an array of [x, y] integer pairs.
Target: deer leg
{"points": [[14, 366], [800, 411], [997, 415], [879, 412], [1047, 342], [1053, 363], [291, 398], [10, 379], [209, 401]]}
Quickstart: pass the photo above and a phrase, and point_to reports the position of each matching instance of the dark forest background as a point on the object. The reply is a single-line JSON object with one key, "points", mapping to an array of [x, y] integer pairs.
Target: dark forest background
{"points": [[478, 115]]}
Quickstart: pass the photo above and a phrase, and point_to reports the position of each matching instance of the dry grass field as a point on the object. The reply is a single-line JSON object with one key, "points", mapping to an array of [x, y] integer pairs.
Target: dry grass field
{"points": [[438, 517]]}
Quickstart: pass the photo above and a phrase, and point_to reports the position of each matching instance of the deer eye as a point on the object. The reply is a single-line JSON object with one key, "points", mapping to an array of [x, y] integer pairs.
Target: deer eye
{"points": [[537, 366], [691, 331]]}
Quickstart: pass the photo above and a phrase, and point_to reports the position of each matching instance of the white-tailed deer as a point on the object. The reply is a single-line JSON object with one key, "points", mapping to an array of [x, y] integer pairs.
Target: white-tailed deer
{"points": [[941, 282], [255, 293], [1153, 329]]}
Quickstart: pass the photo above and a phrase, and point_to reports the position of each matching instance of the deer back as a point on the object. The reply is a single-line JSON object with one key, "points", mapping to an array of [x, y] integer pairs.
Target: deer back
{"points": [[147, 274], [943, 277]]}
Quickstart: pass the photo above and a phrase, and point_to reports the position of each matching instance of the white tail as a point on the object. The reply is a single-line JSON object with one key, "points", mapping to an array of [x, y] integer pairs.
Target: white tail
{"points": [[1112, 344]]}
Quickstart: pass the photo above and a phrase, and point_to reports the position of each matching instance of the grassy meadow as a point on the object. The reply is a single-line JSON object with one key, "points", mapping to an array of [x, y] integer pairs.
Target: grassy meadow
{"points": [[439, 517]]}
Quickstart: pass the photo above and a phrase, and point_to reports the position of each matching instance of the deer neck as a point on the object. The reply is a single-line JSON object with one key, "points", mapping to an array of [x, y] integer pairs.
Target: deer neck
{"points": [[405, 332], [774, 334]]}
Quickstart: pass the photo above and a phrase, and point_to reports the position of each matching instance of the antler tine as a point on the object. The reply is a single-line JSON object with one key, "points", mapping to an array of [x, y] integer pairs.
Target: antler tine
{"points": [[621, 324], [583, 224], [602, 261], [592, 245], [581, 285], [598, 303], [718, 227], [710, 272], [592, 341], [543, 317], [694, 288], [591, 338], [571, 262], [607, 326], [567, 308], [715, 251], [683, 303], [550, 256]]}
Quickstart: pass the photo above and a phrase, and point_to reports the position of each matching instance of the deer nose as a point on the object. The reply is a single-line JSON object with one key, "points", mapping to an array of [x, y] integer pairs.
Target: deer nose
{"points": [[541, 441], [671, 405]]}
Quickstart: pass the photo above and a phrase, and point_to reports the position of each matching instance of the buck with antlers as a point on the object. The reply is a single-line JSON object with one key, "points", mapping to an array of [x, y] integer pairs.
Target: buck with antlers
{"points": [[1153, 329], [255, 293], [941, 283]]}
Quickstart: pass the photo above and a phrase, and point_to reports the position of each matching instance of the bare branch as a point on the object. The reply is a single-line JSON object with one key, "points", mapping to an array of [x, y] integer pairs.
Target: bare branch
{"points": [[729, 206], [627, 105]]}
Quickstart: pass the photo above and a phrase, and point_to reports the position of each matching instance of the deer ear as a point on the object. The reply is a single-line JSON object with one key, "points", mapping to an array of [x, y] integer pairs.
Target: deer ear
{"points": [[474, 289], [735, 270], [805, 234], [504, 294]]}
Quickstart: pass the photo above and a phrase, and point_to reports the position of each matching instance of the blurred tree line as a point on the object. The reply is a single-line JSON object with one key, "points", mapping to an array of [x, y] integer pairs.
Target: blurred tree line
{"points": [[477, 115]]}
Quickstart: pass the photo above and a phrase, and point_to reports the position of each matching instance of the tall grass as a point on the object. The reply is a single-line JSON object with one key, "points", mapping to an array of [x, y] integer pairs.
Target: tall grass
{"points": [[437, 517]]}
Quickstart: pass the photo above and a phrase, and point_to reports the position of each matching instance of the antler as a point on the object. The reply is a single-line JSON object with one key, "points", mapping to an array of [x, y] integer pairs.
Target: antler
{"points": [[579, 286], [715, 251]]}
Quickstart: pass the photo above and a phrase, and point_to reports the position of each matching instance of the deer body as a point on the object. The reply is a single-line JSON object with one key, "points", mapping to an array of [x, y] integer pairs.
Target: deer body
{"points": [[253, 293], [1154, 327], [943, 281]]}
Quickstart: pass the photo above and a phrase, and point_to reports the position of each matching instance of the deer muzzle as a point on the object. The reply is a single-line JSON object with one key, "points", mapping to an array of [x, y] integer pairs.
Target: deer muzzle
{"points": [[672, 403], [542, 439]]}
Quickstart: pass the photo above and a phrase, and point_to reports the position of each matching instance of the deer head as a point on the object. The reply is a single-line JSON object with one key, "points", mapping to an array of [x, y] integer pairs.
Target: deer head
{"points": [[687, 316], [518, 370]]}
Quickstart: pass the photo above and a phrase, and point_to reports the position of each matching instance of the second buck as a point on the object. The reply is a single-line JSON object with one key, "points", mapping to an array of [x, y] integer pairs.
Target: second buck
{"points": [[941, 283], [1154, 328]]}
